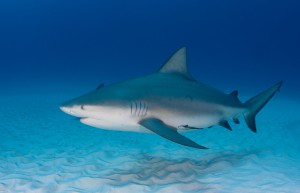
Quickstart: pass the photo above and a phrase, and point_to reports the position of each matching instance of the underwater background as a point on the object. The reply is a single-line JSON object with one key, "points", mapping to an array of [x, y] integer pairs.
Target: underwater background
{"points": [[52, 51]]}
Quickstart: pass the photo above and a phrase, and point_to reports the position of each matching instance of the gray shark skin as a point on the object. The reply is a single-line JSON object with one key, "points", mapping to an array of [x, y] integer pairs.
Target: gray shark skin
{"points": [[165, 103]]}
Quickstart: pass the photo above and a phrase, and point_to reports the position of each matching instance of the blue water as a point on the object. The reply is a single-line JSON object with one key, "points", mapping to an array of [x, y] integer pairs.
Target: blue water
{"points": [[51, 51]]}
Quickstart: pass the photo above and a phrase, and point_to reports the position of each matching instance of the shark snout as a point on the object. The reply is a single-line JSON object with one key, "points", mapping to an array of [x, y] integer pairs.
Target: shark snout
{"points": [[76, 110], [68, 108], [65, 109]]}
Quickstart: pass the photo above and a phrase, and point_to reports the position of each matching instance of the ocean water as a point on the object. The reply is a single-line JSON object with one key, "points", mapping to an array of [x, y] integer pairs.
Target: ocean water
{"points": [[52, 51]]}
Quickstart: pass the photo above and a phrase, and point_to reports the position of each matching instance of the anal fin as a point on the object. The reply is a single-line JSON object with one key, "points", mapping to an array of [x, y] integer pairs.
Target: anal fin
{"points": [[159, 127], [225, 124]]}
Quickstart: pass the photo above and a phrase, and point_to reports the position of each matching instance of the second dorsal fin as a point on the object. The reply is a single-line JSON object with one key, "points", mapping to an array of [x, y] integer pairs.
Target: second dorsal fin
{"points": [[234, 93]]}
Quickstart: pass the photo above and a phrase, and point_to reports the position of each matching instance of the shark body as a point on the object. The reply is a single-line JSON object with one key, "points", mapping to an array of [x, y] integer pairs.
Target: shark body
{"points": [[165, 103]]}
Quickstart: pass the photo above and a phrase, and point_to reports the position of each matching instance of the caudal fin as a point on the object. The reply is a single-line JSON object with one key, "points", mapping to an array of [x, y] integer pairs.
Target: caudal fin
{"points": [[256, 103]]}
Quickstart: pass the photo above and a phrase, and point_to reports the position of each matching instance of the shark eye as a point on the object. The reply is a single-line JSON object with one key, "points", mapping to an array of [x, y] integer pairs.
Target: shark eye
{"points": [[82, 107]]}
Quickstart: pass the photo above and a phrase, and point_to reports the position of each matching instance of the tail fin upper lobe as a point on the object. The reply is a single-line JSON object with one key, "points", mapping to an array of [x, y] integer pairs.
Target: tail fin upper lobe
{"points": [[255, 104]]}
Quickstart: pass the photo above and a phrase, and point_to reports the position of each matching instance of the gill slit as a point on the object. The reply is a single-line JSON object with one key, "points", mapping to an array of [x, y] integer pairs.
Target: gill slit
{"points": [[144, 109], [138, 108]]}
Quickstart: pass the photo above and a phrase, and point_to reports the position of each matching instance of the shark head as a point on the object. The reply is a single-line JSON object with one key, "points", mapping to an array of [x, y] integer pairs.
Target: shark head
{"points": [[78, 106], [100, 104]]}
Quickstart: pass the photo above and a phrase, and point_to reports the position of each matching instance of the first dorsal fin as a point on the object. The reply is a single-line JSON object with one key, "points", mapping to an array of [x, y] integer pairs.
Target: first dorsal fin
{"points": [[177, 64]]}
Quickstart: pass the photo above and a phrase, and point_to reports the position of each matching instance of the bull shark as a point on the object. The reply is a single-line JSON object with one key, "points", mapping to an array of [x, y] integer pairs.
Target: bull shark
{"points": [[165, 103]]}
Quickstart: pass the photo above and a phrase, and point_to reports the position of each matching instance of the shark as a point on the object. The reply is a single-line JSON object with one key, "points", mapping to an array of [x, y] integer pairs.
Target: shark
{"points": [[166, 103]]}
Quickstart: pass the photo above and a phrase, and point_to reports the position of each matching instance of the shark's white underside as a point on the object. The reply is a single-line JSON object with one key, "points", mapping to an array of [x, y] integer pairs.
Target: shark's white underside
{"points": [[126, 121]]}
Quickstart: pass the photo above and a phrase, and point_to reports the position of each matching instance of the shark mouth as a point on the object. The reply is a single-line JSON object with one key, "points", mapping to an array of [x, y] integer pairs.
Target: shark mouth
{"points": [[88, 119]]}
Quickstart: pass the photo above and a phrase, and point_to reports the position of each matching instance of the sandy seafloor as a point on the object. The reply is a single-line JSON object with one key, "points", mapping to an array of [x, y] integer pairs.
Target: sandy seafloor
{"points": [[45, 150]]}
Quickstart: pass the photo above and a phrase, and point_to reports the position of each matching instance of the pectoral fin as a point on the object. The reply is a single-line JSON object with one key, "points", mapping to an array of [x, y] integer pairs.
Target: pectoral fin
{"points": [[168, 132]]}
